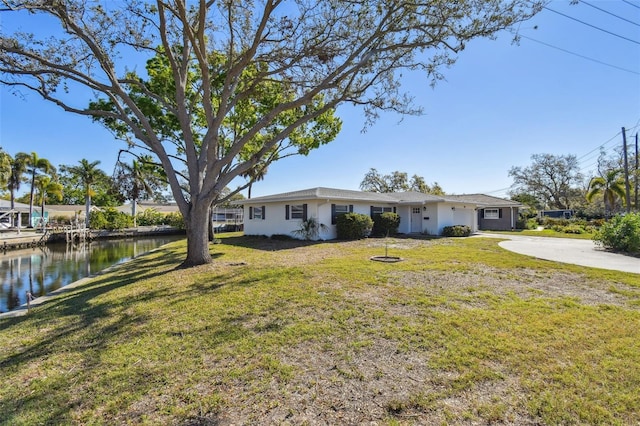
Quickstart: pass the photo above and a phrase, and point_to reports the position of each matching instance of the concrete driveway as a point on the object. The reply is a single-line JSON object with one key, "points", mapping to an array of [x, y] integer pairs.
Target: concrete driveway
{"points": [[568, 250]]}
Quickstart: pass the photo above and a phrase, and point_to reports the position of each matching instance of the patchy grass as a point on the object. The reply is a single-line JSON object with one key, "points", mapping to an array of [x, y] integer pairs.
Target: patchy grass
{"points": [[287, 332]]}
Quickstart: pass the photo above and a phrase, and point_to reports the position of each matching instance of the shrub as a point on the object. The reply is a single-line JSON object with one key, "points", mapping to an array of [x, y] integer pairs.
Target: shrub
{"points": [[150, 217], [97, 220], [456, 231], [573, 229], [550, 222], [309, 229], [61, 220], [353, 226], [621, 233], [175, 220], [386, 224], [109, 218]]}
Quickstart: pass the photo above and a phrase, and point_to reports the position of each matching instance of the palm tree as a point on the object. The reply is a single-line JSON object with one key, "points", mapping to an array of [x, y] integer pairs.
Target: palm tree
{"points": [[18, 169], [88, 174], [47, 188], [611, 186], [5, 168], [139, 180], [34, 166], [255, 174]]}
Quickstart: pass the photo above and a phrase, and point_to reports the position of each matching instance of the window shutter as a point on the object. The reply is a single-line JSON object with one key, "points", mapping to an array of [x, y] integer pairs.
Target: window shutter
{"points": [[350, 208], [500, 213], [250, 212], [371, 211], [333, 214], [264, 212], [286, 212], [394, 209], [304, 212]]}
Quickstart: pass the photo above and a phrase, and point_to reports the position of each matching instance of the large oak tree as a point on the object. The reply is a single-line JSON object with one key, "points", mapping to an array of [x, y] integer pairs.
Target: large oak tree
{"points": [[234, 84], [551, 179]]}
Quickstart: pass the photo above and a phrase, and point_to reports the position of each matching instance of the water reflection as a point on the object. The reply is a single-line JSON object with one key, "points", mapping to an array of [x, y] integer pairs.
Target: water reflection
{"points": [[41, 270]]}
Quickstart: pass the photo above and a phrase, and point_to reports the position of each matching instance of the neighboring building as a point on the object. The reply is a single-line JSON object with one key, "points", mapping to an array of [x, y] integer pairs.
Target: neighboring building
{"points": [[12, 218], [224, 219], [419, 213], [557, 214]]}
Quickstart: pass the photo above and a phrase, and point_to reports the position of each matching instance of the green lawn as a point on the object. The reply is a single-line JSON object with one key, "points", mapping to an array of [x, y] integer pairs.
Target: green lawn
{"points": [[280, 332]]}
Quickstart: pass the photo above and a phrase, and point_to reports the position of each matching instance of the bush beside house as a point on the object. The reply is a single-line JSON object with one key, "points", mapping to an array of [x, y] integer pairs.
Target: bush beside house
{"points": [[456, 231], [386, 224], [353, 226]]}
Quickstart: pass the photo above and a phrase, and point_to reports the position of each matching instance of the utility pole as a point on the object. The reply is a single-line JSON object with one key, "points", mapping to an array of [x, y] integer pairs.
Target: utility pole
{"points": [[636, 176], [626, 171]]}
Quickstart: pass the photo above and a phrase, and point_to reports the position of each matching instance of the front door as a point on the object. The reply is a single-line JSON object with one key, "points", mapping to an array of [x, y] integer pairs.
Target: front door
{"points": [[416, 219]]}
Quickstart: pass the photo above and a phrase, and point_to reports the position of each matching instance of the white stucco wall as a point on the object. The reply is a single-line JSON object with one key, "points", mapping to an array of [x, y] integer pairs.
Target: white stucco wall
{"points": [[430, 225], [456, 214], [276, 222], [439, 215]]}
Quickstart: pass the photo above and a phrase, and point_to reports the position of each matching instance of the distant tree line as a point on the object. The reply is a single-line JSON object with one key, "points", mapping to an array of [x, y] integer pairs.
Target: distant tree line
{"points": [[84, 183], [556, 182], [397, 182]]}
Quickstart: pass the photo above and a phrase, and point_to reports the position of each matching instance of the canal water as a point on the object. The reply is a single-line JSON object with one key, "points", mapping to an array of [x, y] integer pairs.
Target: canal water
{"points": [[41, 270]]}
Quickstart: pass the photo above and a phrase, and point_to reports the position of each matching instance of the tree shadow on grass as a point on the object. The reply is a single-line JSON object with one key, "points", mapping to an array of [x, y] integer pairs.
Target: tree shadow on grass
{"points": [[76, 326], [275, 243], [75, 301]]}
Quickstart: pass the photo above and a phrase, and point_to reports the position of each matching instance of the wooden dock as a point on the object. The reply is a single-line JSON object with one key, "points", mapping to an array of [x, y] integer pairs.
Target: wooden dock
{"points": [[75, 234]]}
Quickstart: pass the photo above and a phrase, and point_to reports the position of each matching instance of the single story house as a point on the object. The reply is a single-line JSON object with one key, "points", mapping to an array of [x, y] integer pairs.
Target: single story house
{"points": [[419, 213]]}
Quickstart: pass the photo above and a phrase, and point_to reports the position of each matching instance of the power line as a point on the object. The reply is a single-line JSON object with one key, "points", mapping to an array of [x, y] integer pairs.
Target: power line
{"points": [[630, 3], [592, 26], [580, 56], [600, 146], [609, 13]]}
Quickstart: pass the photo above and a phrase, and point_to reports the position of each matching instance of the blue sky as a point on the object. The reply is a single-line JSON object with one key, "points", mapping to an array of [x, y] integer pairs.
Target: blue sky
{"points": [[567, 88]]}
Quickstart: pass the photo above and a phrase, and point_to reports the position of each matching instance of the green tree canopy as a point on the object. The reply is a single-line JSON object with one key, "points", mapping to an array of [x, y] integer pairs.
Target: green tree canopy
{"points": [[16, 177], [397, 182], [34, 166], [87, 174], [236, 84], [141, 179], [550, 178], [5, 168], [46, 189]]}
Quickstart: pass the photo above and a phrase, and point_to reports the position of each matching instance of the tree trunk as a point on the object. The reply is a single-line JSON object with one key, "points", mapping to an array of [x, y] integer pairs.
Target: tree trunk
{"points": [[42, 213], [87, 207], [31, 194], [197, 223], [134, 212]]}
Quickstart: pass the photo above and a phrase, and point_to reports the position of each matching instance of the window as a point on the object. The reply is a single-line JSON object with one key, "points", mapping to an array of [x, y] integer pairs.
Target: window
{"points": [[258, 213], [491, 213], [338, 209], [297, 211], [341, 208], [415, 210], [380, 210]]}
